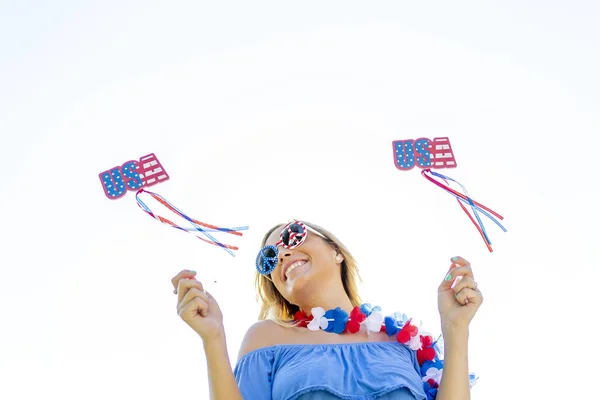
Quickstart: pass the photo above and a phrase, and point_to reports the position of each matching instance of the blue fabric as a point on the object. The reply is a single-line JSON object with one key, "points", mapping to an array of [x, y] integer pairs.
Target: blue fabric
{"points": [[398, 394], [351, 371]]}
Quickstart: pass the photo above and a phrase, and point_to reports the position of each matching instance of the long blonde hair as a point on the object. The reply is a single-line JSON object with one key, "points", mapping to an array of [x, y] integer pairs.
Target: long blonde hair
{"points": [[274, 306]]}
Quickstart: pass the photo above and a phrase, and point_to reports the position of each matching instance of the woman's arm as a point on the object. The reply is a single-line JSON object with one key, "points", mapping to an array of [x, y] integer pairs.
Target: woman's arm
{"points": [[455, 378], [458, 302], [222, 383]]}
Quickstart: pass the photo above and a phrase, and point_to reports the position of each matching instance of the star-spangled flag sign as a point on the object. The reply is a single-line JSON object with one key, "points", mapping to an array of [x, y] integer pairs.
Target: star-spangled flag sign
{"points": [[132, 175], [423, 153]]}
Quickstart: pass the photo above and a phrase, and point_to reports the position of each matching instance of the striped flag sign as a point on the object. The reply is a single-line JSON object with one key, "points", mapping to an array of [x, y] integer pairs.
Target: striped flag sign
{"points": [[132, 175], [423, 153]]}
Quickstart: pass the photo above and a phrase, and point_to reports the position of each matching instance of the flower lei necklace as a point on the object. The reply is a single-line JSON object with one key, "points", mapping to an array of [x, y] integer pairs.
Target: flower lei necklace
{"points": [[428, 351]]}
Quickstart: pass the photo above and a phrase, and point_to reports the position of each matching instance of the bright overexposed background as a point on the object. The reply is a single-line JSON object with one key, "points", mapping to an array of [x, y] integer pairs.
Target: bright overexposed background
{"points": [[262, 111]]}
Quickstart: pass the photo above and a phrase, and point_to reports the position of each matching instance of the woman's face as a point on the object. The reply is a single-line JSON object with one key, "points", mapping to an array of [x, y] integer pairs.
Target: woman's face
{"points": [[309, 267]]}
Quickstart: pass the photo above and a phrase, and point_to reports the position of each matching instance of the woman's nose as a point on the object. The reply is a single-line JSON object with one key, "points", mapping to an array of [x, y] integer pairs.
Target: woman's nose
{"points": [[284, 255]]}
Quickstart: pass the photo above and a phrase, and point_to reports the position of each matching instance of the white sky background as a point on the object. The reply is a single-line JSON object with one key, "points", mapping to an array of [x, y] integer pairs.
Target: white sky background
{"points": [[266, 111]]}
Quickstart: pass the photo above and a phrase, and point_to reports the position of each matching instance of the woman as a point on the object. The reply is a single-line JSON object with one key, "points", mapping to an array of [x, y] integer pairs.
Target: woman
{"points": [[315, 340]]}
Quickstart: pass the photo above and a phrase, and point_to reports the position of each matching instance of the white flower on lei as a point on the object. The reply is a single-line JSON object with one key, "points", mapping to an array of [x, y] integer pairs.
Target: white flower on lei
{"points": [[415, 342], [318, 321], [374, 321], [433, 373]]}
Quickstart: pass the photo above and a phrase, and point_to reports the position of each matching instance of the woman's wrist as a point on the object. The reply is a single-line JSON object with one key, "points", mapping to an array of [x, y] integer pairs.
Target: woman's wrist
{"points": [[215, 340], [455, 333]]}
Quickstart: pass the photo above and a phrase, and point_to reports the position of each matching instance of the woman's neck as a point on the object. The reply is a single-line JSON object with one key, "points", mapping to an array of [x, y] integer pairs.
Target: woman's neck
{"points": [[327, 299]]}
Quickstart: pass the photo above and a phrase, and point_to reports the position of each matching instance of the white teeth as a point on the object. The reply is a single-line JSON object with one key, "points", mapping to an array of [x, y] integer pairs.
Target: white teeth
{"points": [[293, 267]]}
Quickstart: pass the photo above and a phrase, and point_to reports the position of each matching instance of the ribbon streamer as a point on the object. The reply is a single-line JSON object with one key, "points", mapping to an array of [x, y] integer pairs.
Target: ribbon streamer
{"points": [[198, 226], [464, 198]]}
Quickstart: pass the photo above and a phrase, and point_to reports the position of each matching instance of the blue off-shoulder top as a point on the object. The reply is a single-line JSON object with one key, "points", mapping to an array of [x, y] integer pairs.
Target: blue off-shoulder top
{"points": [[352, 371]]}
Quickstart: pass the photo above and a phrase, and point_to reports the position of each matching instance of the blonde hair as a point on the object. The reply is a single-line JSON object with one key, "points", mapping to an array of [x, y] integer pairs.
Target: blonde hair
{"points": [[274, 306]]}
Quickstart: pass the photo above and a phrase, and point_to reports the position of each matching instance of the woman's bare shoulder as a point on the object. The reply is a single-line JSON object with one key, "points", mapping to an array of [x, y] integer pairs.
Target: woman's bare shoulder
{"points": [[264, 333]]}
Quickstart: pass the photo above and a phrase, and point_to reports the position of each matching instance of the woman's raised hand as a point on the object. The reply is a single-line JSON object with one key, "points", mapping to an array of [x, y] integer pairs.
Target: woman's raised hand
{"points": [[197, 307]]}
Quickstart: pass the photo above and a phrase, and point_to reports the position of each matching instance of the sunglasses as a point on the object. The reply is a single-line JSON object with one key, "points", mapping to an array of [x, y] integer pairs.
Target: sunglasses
{"points": [[292, 236]]}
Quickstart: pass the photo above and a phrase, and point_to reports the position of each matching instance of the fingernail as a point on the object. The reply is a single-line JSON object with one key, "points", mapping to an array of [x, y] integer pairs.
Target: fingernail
{"points": [[454, 258], [193, 272], [175, 291], [448, 277]]}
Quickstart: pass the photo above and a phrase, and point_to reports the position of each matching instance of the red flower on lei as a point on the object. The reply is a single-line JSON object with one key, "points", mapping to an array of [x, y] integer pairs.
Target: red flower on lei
{"points": [[356, 317], [407, 332], [426, 352], [302, 318]]}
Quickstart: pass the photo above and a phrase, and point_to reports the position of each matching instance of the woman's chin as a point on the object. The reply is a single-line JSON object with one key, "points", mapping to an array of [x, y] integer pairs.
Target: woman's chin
{"points": [[300, 283], [298, 274]]}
